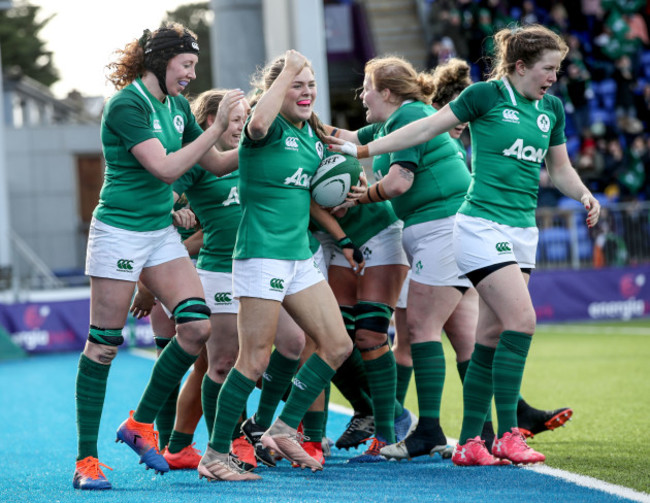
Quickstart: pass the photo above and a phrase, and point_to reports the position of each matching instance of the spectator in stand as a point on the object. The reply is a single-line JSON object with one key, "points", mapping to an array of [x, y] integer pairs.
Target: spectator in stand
{"points": [[593, 13], [631, 177], [642, 106], [558, 19], [646, 164], [626, 83], [614, 163], [439, 14], [577, 52], [590, 165], [530, 13], [577, 93], [440, 51]]}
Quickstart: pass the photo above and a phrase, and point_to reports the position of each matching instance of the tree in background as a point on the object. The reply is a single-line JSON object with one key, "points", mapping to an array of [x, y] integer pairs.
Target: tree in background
{"points": [[23, 52], [197, 17]]}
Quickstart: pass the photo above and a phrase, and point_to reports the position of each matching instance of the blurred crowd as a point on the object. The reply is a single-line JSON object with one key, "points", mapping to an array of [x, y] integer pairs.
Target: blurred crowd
{"points": [[604, 82]]}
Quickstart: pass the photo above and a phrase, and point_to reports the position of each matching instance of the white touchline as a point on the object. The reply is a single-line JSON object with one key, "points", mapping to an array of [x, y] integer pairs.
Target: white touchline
{"points": [[592, 483]]}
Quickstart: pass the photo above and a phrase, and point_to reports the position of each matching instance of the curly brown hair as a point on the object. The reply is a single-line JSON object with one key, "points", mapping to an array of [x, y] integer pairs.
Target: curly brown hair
{"points": [[129, 63], [450, 78]]}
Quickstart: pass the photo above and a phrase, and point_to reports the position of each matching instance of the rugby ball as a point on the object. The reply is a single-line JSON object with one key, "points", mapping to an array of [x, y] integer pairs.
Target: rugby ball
{"points": [[334, 178]]}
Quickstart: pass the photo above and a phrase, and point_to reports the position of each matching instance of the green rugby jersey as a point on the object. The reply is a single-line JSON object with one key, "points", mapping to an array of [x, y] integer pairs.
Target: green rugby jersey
{"points": [[131, 197], [274, 179], [215, 201], [510, 138], [441, 178]]}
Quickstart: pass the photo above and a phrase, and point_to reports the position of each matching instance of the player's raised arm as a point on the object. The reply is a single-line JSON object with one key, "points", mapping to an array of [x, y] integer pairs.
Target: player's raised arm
{"points": [[413, 134]]}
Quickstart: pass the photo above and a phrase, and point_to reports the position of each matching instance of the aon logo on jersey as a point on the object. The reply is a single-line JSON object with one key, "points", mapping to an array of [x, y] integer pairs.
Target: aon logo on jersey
{"points": [[298, 179], [233, 197], [527, 153]]}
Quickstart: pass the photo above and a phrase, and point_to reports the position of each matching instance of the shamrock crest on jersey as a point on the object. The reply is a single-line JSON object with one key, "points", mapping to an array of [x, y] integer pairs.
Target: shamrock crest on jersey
{"points": [[179, 123], [543, 123]]}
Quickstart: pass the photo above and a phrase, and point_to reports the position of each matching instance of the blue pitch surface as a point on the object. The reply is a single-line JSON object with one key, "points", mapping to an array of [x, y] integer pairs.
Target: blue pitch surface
{"points": [[38, 446]]}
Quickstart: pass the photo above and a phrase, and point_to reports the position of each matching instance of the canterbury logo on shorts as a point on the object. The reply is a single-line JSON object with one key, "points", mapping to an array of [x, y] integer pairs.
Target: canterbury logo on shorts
{"points": [[124, 265], [222, 298], [504, 247], [277, 284]]}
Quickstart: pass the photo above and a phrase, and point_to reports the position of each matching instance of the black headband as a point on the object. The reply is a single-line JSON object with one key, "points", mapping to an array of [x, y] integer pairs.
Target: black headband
{"points": [[172, 42]]}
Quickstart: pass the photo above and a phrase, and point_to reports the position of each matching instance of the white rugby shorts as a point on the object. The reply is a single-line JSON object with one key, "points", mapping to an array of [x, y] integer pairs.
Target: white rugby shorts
{"points": [[480, 243], [122, 254], [428, 246], [273, 279], [217, 287]]}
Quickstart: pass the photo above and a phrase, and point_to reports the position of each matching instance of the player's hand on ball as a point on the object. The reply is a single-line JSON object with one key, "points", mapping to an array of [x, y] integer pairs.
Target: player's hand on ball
{"points": [[356, 192], [342, 146]]}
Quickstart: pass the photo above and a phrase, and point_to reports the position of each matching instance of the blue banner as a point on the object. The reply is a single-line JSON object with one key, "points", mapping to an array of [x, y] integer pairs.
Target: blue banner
{"points": [[594, 294], [61, 325]]}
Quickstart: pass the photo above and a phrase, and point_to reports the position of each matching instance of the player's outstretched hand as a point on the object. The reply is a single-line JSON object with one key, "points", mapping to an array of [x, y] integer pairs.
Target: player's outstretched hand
{"points": [[592, 206]]}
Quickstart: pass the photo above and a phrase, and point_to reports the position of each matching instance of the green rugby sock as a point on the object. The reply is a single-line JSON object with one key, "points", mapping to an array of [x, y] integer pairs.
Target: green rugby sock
{"points": [[404, 374], [169, 369], [429, 369], [90, 390], [507, 373], [232, 400], [382, 380], [209, 395], [477, 392], [462, 370], [178, 441], [307, 385], [166, 417], [352, 381], [312, 425], [275, 382]]}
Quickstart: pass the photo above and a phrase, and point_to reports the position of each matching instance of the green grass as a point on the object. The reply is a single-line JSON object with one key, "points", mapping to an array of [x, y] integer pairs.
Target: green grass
{"points": [[601, 371]]}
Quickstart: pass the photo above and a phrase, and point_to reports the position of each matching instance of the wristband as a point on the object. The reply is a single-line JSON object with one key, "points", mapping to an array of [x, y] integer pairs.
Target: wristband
{"points": [[332, 131], [346, 242]]}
